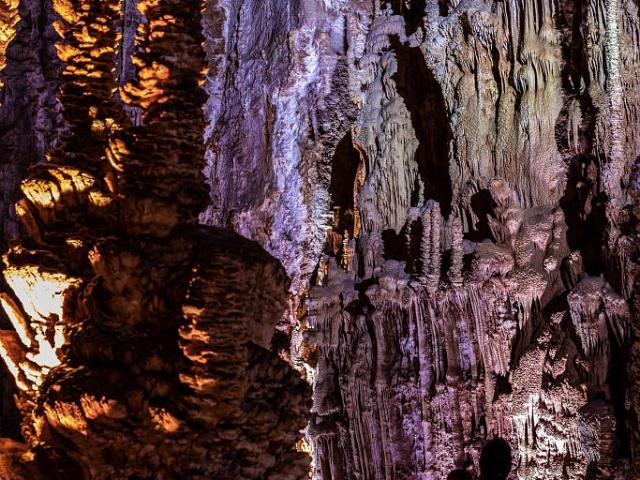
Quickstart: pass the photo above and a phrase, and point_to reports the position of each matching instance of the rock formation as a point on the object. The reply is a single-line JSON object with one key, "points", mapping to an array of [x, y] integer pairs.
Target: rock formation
{"points": [[452, 187], [472, 167], [141, 342]]}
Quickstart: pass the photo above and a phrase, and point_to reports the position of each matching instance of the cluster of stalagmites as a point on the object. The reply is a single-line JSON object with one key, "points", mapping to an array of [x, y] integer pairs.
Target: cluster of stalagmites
{"points": [[480, 281], [141, 346], [491, 290], [428, 350]]}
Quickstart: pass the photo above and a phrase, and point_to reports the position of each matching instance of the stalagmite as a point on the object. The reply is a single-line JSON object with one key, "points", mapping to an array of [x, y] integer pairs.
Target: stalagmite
{"points": [[457, 252], [430, 245], [142, 339]]}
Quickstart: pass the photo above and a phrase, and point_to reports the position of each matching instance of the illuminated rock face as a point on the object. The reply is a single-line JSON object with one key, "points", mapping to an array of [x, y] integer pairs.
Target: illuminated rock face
{"points": [[453, 186], [141, 341]]}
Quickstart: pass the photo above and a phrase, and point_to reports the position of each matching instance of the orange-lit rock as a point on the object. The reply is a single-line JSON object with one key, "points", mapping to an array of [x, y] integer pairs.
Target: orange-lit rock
{"points": [[9, 18], [142, 343]]}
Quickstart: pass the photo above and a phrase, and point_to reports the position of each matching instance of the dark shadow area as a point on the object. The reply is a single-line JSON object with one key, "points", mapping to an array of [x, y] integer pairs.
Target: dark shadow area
{"points": [[482, 205], [495, 460], [584, 211], [503, 387], [411, 10], [618, 381], [394, 245], [581, 203], [413, 250], [280, 342], [459, 474], [570, 22], [443, 8], [344, 168], [9, 414], [423, 98]]}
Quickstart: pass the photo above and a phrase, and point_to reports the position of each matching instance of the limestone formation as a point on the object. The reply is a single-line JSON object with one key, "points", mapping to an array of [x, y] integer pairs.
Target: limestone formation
{"points": [[452, 186], [492, 288], [141, 342]]}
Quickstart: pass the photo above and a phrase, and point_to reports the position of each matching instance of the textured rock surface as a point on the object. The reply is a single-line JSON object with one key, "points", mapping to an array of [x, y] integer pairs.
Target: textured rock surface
{"points": [[471, 167], [141, 341], [452, 187], [28, 108], [29, 112]]}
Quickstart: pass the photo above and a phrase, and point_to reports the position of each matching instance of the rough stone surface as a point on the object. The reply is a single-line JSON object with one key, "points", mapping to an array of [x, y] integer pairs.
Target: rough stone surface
{"points": [[452, 186], [141, 341]]}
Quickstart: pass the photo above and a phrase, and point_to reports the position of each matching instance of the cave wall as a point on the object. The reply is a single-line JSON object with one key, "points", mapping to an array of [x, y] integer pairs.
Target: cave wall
{"points": [[28, 111], [278, 108], [481, 281], [452, 187]]}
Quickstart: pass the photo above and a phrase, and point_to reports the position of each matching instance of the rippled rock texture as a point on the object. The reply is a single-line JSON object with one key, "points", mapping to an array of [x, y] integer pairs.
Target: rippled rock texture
{"points": [[452, 188], [141, 340]]}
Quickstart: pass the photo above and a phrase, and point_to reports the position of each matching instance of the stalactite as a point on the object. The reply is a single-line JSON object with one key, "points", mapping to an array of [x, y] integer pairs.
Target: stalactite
{"points": [[430, 254], [371, 147]]}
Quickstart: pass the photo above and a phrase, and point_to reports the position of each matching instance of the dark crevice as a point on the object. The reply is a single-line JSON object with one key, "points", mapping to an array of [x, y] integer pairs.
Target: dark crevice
{"points": [[618, 382], [467, 31], [413, 247], [582, 204], [344, 169], [394, 245], [482, 206], [411, 10], [503, 387], [443, 8], [425, 101], [9, 415], [584, 210]]}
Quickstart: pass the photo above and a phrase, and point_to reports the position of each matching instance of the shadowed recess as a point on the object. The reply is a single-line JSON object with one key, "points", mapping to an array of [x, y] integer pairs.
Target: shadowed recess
{"points": [[423, 98]]}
